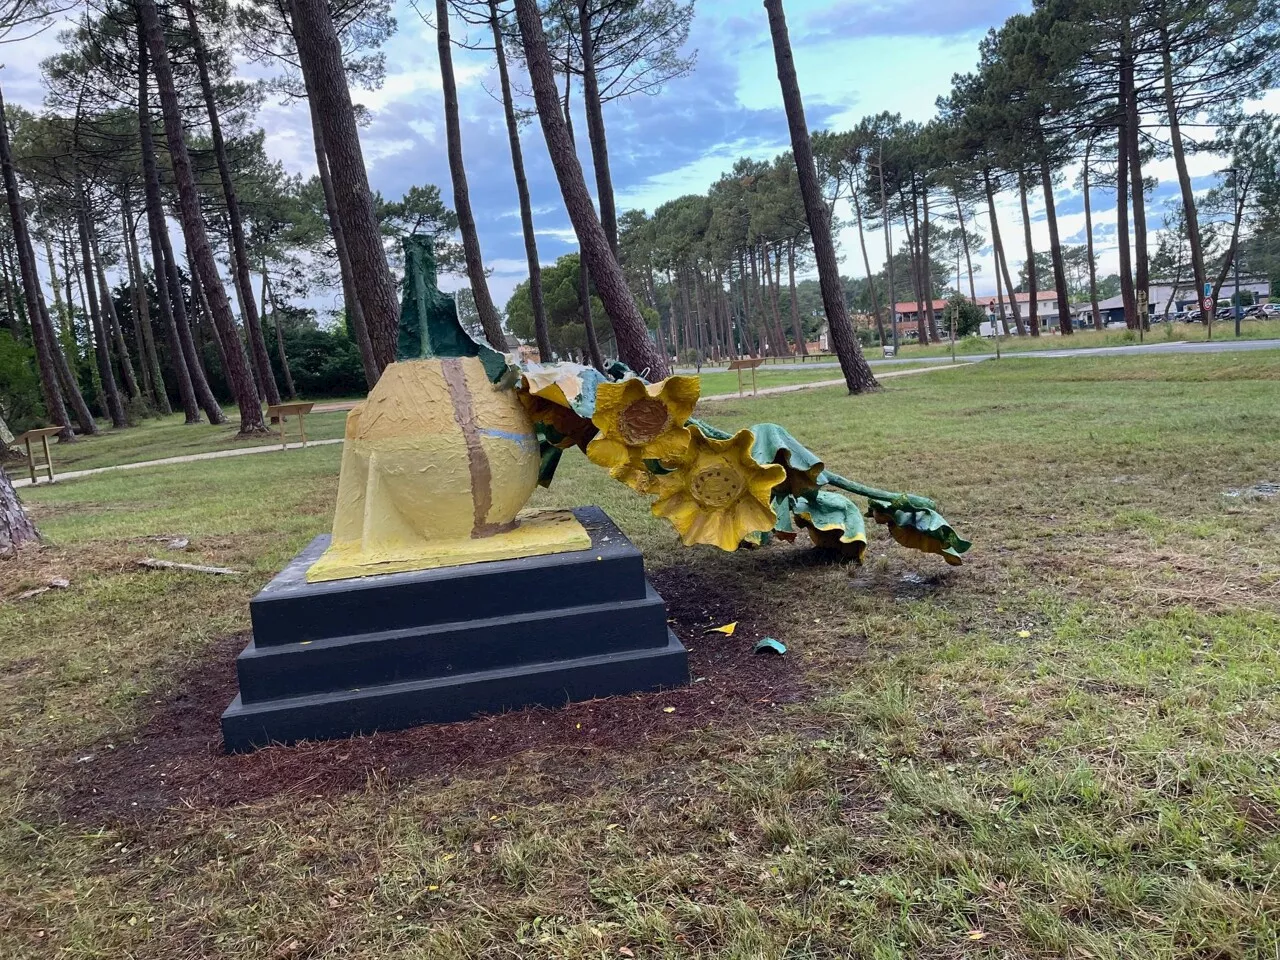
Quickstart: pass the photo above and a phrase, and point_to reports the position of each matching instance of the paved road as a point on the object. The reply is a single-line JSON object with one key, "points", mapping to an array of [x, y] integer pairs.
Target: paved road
{"points": [[1179, 346]]}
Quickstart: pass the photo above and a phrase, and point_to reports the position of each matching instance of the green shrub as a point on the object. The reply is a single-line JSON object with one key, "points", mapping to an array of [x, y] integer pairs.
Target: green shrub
{"points": [[20, 395]]}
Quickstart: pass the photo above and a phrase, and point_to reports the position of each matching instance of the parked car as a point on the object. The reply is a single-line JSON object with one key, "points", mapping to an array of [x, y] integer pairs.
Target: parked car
{"points": [[1270, 311], [1253, 311], [1225, 313]]}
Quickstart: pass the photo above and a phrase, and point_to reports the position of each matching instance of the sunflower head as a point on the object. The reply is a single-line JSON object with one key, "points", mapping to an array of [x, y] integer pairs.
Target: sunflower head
{"points": [[638, 422], [718, 494]]}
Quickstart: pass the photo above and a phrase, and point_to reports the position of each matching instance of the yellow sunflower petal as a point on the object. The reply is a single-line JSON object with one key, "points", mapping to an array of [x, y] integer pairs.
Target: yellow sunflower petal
{"points": [[678, 507], [671, 445], [680, 394], [608, 452]]}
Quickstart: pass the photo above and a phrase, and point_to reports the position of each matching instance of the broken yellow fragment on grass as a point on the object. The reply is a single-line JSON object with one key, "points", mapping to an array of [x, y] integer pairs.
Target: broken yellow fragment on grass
{"points": [[1024, 634], [727, 629]]}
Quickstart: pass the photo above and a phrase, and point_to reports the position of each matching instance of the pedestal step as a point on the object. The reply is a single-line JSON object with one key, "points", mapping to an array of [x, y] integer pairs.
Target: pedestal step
{"points": [[434, 646], [448, 699], [290, 610], [396, 656]]}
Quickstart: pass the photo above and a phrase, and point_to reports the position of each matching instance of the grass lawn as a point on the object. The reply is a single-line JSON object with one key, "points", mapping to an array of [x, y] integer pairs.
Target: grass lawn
{"points": [[158, 438], [1069, 747], [162, 437]]}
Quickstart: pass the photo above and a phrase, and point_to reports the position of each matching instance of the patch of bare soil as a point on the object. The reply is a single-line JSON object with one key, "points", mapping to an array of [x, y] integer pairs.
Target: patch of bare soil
{"points": [[34, 566], [175, 756]]}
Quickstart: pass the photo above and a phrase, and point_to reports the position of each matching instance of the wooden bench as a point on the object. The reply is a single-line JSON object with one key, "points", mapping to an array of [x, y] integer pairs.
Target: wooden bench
{"points": [[281, 411], [750, 363], [42, 434]]}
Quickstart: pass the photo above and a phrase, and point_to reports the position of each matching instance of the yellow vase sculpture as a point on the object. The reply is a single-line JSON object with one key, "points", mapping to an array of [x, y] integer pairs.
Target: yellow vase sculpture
{"points": [[437, 464]]}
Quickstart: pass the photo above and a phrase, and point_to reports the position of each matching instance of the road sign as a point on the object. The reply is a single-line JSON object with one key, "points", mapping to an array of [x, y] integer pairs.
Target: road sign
{"points": [[1207, 303], [1208, 290]]}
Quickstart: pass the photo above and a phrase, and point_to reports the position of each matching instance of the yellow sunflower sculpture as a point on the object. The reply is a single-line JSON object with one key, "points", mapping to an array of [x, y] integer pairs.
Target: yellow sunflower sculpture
{"points": [[639, 422], [718, 494]]}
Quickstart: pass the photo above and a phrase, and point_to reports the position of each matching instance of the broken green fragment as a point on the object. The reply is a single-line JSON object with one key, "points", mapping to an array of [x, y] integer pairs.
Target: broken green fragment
{"points": [[429, 325]]}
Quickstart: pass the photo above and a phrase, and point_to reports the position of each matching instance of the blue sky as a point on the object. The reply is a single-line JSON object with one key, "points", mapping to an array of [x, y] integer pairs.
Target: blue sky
{"points": [[854, 57]]}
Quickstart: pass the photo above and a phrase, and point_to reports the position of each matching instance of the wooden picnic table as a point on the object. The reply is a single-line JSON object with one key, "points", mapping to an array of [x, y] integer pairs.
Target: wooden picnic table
{"points": [[280, 411], [749, 363], [42, 434]]}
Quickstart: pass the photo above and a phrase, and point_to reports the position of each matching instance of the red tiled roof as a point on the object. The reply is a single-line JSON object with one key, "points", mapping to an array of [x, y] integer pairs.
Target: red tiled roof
{"points": [[1021, 297], [910, 306]]}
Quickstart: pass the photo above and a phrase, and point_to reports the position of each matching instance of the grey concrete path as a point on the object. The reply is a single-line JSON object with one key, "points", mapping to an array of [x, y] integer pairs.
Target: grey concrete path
{"points": [[272, 448], [1163, 347], [794, 387]]}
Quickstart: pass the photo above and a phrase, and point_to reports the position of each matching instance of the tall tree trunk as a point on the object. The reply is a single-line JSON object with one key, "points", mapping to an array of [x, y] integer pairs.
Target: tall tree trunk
{"points": [[964, 237], [193, 385], [240, 274], [63, 326], [922, 331], [635, 347], [1122, 197], [16, 527], [691, 333], [142, 310], [1033, 287], [857, 374], [202, 323], [1004, 319], [110, 392], [926, 263], [888, 248], [584, 272], [73, 398], [112, 321], [775, 281], [268, 304], [135, 311], [350, 298], [257, 369], [66, 329], [540, 333], [1142, 273], [238, 376], [490, 321], [595, 126], [1184, 177], [37, 312], [866, 266], [1002, 261], [1088, 236], [1055, 249], [797, 329], [588, 321], [1241, 200], [12, 317], [762, 324], [320, 56]]}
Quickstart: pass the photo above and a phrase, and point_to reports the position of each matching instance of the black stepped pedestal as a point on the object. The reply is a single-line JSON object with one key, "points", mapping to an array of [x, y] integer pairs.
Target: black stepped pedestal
{"points": [[433, 646]]}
